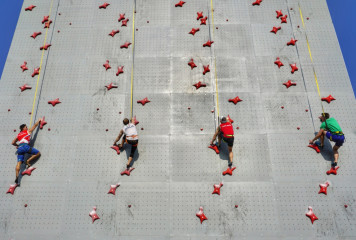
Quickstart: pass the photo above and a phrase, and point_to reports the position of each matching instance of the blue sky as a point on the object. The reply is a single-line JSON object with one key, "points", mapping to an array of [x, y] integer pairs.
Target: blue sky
{"points": [[341, 12]]}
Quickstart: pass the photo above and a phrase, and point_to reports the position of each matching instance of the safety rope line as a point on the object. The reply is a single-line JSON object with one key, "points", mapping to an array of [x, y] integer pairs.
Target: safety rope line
{"points": [[39, 74], [133, 58]]}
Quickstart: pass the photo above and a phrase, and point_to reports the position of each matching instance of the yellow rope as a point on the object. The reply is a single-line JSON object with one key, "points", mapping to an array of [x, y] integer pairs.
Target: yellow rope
{"points": [[132, 68], [216, 77]]}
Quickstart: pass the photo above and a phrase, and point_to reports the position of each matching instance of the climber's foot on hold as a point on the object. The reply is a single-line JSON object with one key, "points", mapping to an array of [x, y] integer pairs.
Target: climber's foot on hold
{"points": [[334, 165], [127, 166], [17, 180], [230, 164]]}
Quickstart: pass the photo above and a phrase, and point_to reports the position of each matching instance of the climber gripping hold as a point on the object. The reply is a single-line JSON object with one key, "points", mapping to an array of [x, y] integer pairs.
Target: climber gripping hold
{"points": [[129, 133], [331, 129], [22, 141], [225, 132]]}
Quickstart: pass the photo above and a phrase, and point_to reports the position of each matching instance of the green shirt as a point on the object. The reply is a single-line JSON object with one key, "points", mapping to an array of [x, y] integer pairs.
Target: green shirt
{"points": [[332, 124]]}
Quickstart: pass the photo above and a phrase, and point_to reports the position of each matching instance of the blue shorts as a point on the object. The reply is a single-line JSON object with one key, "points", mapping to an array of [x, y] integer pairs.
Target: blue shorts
{"points": [[23, 149], [338, 139]]}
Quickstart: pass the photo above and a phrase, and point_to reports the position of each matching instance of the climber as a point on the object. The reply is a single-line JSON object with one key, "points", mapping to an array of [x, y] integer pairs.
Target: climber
{"points": [[23, 138], [331, 129], [225, 132], [130, 136]]}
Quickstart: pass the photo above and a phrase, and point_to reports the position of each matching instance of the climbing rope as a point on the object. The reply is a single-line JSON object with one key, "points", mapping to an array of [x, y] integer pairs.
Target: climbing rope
{"points": [[133, 58]]}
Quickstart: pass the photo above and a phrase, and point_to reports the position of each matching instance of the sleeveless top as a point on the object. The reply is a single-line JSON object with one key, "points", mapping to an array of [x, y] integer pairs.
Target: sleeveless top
{"points": [[227, 130], [130, 131], [24, 137]]}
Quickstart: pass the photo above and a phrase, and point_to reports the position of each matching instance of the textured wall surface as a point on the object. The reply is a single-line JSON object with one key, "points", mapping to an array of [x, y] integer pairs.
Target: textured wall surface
{"points": [[277, 176]]}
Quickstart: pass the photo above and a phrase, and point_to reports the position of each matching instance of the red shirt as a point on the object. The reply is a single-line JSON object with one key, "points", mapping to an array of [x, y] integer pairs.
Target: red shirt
{"points": [[24, 137], [227, 129]]}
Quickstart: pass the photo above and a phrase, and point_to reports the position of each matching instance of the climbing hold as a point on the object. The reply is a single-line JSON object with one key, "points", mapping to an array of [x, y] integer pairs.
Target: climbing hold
{"points": [[200, 15], [148, 21], [188, 108], [110, 86], [206, 69], [28, 171], [129, 206], [116, 148], [333, 170], [229, 171], [144, 101], [105, 5], [192, 64], [212, 111], [289, 84], [94, 216], [113, 33], [24, 66], [193, 31], [106, 129], [122, 17], [125, 45], [215, 148], [36, 71], [30, 113], [97, 109], [43, 122], [229, 119], [201, 129], [298, 128], [70, 23], [25, 205], [235, 100], [284, 19], [203, 21], [227, 20], [237, 128], [14, 130], [275, 30], [134, 120], [292, 42], [35, 34], [25, 87], [120, 70], [106, 65], [124, 23], [208, 43], [127, 172], [307, 18], [54, 102], [48, 24], [9, 110], [236, 206], [113, 188], [141, 128], [30, 8], [294, 67], [282, 107], [201, 215], [45, 47], [279, 14], [217, 188], [345, 206], [310, 214], [199, 85], [12, 189], [45, 19], [324, 188], [180, 4], [328, 99], [257, 2], [315, 147], [306, 110], [278, 63], [49, 129]]}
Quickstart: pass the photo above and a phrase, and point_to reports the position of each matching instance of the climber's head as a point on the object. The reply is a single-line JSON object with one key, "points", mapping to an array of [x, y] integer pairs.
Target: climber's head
{"points": [[223, 120], [324, 116], [126, 121], [23, 127]]}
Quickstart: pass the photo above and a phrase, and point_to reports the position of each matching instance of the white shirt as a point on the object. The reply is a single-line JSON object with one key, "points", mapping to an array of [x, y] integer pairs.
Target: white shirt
{"points": [[130, 131]]}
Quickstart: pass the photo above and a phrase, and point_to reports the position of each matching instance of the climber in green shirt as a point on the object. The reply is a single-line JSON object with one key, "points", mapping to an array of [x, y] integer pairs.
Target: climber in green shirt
{"points": [[331, 129]]}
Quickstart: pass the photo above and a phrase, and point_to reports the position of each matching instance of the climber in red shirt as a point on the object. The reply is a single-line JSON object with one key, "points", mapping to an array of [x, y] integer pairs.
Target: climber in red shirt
{"points": [[225, 132]]}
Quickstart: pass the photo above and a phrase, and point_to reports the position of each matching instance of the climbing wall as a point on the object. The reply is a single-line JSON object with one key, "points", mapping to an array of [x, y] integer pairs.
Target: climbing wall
{"points": [[103, 58]]}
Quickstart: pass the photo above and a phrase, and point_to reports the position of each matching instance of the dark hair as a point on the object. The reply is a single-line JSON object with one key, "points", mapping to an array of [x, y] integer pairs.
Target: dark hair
{"points": [[326, 115], [22, 126], [223, 119], [126, 121]]}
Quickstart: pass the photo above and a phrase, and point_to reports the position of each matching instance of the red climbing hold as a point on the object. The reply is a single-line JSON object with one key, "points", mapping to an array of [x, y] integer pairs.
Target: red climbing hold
{"points": [[36, 71], [257, 2], [12, 189], [310, 214], [328, 99], [236, 206], [192, 64], [125, 45], [292, 42], [284, 19], [30, 8], [144, 101], [110, 86], [217, 188], [235, 100], [127, 172], [193, 31], [116, 148], [201, 215], [134, 120], [275, 30], [228, 118], [298, 128], [124, 23], [278, 63], [45, 47], [45, 19], [106, 65], [206, 69], [279, 14], [24, 66], [180, 4], [25, 87], [315, 147], [122, 17], [215, 148], [35, 34], [208, 43], [289, 84], [43, 122], [200, 15], [113, 33], [94, 216], [28, 171], [345, 206], [48, 24], [203, 21], [294, 67], [54, 102], [120, 70], [113, 188], [333, 170], [229, 171], [199, 85], [324, 188], [105, 5]]}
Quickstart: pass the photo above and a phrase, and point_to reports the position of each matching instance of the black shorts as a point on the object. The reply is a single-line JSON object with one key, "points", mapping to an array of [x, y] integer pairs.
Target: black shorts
{"points": [[229, 141], [133, 144]]}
